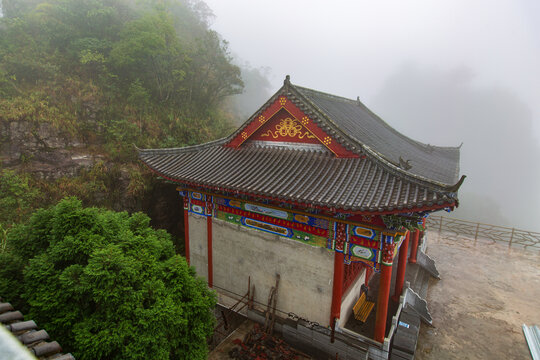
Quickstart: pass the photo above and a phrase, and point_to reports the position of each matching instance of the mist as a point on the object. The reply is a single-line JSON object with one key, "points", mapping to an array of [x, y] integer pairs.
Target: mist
{"points": [[257, 90], [445, 73], [499, 154]]}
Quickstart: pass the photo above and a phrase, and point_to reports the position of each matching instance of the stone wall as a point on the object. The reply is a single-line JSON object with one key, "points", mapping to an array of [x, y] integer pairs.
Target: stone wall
{"points": [[306, 272], [42, 150], [198, 249]]}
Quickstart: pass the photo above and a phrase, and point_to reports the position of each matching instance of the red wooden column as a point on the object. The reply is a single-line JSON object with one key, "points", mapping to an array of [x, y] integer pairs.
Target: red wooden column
{"points": [[384, 293], [414, 246], [186, 227], [209, 244], [337, 289], [402, 265]]}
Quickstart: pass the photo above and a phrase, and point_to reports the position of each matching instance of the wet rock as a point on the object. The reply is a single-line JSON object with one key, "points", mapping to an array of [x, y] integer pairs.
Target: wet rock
{"points": [[42, 150]]}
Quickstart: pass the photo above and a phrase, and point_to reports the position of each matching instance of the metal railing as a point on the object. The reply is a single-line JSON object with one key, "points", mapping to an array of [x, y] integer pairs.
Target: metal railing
{"points": [[511, 236]]}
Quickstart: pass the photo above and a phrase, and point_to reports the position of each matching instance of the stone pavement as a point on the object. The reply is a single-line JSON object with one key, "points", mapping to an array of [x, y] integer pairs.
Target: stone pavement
{"points": [[486, 292]]}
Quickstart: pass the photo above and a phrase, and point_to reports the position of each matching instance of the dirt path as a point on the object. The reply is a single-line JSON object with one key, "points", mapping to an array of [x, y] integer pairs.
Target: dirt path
{"points": [[486, 293]]}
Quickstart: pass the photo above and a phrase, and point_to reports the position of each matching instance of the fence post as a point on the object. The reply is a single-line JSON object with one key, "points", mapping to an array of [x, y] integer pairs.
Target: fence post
{"points": [[476, 233], [511, 238]]}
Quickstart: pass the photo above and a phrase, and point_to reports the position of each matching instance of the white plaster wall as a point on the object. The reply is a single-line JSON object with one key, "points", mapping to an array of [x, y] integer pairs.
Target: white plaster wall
{"points": [[306, 272], [198, 244], [350, 298]]}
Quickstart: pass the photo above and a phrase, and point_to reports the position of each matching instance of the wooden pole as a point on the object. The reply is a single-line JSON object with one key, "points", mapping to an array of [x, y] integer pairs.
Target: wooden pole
{"points": [[511, 237], [414, 246], [186, 227], [337, 288], [382, 302], [209, 243], [402, 265]]}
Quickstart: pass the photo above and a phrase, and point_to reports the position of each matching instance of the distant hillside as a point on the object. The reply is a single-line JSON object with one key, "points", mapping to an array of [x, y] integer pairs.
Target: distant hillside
{"points": [[81, 81]]}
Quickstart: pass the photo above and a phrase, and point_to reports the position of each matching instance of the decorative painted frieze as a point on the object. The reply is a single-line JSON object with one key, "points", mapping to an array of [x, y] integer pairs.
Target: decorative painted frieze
{"points": [[359, 242]]}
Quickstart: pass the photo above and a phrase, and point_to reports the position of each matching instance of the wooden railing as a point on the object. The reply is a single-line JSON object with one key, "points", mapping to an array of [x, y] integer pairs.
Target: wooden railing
{"points": [[511, 236]]}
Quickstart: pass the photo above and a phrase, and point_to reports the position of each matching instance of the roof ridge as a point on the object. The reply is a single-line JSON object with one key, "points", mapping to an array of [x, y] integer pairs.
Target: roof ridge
{"points": [[416, 142], [325, 93], [367, 150], [184, 148]]}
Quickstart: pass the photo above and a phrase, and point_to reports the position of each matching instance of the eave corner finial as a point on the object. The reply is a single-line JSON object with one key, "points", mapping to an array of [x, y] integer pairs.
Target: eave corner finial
{"points": [[287, 80], [455, 188]]}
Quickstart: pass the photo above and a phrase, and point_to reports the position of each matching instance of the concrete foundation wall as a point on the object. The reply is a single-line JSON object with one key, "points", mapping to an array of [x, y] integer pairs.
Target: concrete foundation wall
{"points": [[350, 298], [306, 272], [316, 341]]}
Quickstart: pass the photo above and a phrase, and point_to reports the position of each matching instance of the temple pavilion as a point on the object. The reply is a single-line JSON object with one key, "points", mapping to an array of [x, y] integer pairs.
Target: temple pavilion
{"points": [[313, 187]]}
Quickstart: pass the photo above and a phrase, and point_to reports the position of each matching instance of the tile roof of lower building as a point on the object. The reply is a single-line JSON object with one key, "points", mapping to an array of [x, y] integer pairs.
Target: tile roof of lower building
{"points": [[28, 334], [302, 175]]}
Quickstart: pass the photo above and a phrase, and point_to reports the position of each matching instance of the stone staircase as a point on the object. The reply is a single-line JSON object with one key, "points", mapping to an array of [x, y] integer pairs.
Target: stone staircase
{"points": [[415, 309]]}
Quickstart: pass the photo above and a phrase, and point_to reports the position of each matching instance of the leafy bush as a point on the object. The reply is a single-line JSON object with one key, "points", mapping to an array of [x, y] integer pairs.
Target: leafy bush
{"points": [[106, 285], [16, 197]]}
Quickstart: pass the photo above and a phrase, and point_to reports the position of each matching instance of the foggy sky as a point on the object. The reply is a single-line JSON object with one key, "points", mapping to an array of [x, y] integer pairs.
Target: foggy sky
{"points": [[442, 72], [499, 153]]}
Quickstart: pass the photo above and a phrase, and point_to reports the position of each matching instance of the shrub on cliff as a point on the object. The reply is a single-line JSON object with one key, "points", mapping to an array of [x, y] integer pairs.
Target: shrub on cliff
{"points": [[106, 285], [16, 197]]}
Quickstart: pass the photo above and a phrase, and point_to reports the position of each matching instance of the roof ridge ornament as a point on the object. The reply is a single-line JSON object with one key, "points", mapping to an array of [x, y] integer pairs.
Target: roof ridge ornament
{"points": [[358, 100], [287, 81], [405, 165]]}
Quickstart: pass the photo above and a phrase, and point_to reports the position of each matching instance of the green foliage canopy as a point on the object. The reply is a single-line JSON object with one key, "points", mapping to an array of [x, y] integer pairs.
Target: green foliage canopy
{"points": [[16, 197], [147, 72], [106, 285]]}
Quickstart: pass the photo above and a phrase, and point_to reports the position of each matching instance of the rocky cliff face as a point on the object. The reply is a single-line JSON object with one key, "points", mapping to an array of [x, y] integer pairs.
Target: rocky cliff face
{"points": [[50, 155], [42, 150]]}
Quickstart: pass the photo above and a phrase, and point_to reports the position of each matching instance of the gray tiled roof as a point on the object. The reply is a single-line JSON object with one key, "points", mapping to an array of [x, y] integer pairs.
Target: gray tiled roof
{"points": [[393, 173], [303, 176], [362, 126]]}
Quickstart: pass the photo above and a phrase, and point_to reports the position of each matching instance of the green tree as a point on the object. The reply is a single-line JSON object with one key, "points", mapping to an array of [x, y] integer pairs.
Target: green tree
{"points": [[16, 197], [110, 287]]}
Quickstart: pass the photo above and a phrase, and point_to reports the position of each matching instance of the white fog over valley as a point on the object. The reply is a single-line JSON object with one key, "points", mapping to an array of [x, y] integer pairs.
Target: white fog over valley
{"points": [[443, 73]]}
